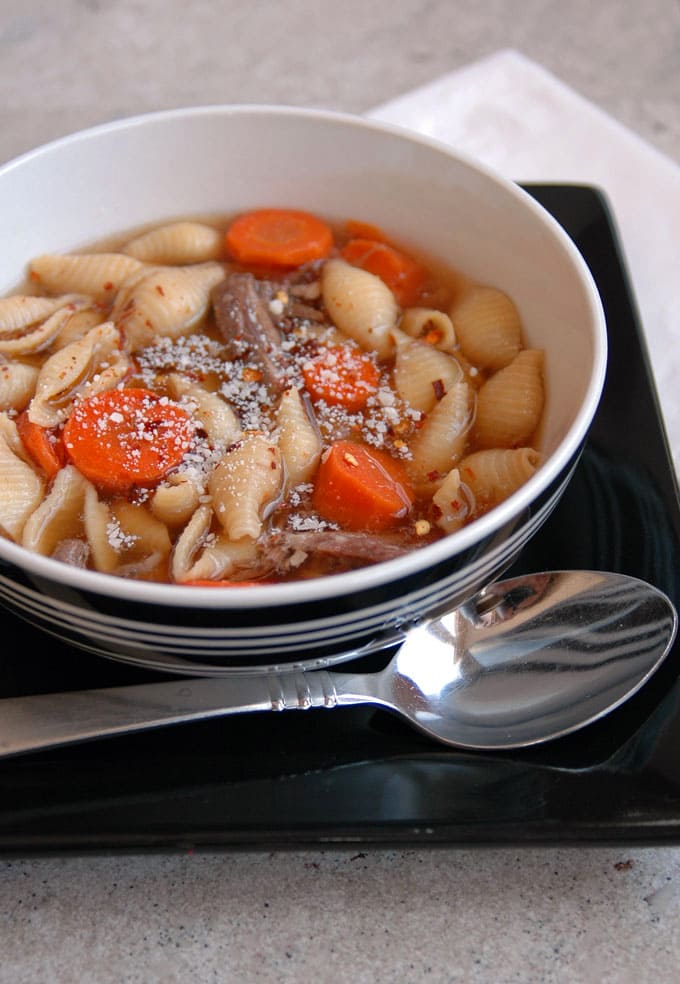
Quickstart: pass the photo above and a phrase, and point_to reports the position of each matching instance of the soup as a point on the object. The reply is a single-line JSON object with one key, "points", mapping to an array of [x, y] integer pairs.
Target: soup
{"points": [[259, 399]]}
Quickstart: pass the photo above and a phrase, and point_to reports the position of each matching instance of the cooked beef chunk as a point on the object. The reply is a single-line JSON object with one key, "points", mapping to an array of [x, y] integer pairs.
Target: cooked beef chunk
{"points": [[73, 552], [244, 322], [286, 547]]}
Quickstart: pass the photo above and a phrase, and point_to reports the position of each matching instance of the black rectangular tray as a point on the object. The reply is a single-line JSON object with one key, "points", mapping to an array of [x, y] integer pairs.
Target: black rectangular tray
{"points": [[358, 776]]}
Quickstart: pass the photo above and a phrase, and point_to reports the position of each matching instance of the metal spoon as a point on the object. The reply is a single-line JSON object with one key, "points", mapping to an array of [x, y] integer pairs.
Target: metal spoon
{"points": [[525, 661]]}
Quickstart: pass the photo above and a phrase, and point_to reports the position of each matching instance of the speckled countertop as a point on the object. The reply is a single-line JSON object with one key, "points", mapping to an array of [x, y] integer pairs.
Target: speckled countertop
{"points": [[489, 915]]}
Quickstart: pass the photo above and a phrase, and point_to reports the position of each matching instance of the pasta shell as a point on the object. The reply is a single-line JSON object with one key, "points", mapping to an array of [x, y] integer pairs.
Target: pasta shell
{"points": [[124, 539], [441, 440], [431, 326], [10, 434], [190, 542], [510, 403], [141, 541], [222, 558], [422, 374], [90, 365], [494, 474], [298, 438], [177, 243], [99, 275], [452, 504], [101, 531], [488, 327], [175, 501], [59, 516], [17, 385], [78, 324], [166, 301], [37, 335], [20, 311], [21, 489], [201, 555], [218, 420], [247, 480], [360, 304]]}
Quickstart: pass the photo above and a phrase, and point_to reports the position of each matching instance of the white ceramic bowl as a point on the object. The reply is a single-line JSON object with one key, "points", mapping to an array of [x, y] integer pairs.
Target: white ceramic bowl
{"points": [[78, 190]]}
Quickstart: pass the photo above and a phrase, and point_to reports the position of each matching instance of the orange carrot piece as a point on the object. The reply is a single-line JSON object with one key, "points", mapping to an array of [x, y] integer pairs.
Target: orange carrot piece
{"points": [[278, 237], [341, 376], [361, 488], [126, 438], [403, 276], [357, 229], [45, 446]]}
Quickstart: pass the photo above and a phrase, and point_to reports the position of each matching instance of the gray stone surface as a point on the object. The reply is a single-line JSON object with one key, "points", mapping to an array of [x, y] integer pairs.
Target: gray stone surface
{"points": [[532, 916], [368, 917]]}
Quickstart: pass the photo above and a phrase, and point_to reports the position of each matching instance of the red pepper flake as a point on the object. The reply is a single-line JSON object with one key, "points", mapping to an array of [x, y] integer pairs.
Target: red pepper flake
{"points": [[439, 389], [433, 336]]}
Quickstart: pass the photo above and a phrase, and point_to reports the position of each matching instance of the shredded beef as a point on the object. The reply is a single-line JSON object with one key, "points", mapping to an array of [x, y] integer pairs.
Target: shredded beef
{"points": [[245, 325], [288, 544], [73, 552]]}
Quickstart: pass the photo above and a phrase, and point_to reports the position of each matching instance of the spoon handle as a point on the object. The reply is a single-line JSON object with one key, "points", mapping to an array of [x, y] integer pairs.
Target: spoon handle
{"points": [[47, 720]]}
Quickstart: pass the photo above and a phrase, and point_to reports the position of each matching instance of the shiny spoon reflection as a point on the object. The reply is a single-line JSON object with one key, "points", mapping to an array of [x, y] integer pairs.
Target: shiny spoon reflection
{"points": [[525, 661]]}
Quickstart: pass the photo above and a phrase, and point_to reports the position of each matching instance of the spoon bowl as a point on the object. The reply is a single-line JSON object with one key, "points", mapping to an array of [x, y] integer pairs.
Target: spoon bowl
{"points": [[526, 660], [530, 659]]}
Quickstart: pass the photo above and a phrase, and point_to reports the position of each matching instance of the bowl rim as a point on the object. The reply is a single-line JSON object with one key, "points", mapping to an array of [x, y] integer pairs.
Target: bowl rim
{"points": [[327, 587]]}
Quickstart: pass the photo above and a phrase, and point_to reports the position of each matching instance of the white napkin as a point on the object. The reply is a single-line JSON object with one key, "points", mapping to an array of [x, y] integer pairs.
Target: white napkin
{"points": [[516, 117]]}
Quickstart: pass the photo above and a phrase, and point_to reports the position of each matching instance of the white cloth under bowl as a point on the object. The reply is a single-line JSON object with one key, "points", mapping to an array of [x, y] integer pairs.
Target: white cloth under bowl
{"points": [[521, 120]]}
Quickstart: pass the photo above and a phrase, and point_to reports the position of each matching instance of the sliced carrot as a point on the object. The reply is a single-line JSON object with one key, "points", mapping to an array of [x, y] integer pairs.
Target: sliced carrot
{"points": [[361, 488], [403, 276], [278, 237], [341, 376], [364, 230], [43, 445], [126, 438]]}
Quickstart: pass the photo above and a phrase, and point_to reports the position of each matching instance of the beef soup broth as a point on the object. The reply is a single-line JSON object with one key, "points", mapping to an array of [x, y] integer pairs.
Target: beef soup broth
{"points": [[265, 398]]}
